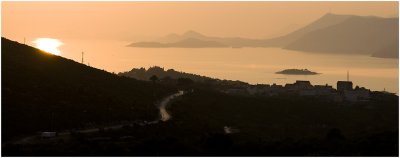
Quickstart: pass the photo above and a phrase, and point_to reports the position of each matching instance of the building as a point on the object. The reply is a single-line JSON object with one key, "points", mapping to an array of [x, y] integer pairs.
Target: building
{"points": [[303, 84], [307, 92], [302, 88], [324, 89], [344, 85], [354, 96]]}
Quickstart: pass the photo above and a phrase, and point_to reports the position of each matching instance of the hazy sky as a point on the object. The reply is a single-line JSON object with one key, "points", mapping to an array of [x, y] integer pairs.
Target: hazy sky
{"points": [[103, 29], [147, 20]]}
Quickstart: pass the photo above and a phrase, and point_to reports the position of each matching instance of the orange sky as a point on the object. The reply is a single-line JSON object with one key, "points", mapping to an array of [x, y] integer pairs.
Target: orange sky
{"points": [[103, 29], [148, 20]]}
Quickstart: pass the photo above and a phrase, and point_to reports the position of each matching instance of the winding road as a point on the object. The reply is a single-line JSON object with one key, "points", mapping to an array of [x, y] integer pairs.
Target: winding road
{"points": [[163, 104]]}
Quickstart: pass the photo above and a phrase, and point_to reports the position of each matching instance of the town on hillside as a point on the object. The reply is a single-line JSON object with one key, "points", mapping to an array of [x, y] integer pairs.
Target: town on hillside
{"points": [[344, 91]]}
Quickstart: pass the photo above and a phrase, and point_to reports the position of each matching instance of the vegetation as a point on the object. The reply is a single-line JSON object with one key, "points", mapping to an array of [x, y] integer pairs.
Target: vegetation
{"points": [[297, 72], [44, 92], [176, 78], [273, 126]]}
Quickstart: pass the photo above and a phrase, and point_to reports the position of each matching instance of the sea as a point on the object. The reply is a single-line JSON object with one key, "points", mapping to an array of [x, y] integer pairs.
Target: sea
{"points": [[252, 65]]}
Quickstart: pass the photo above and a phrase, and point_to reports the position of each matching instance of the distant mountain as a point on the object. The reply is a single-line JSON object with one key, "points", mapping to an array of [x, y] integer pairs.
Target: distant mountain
{"points": [[355, 35], [185, 43], [173, 38], [170, 38], [323, 22], [45, 92], [192, 39], [388, 52], [346, 34]]}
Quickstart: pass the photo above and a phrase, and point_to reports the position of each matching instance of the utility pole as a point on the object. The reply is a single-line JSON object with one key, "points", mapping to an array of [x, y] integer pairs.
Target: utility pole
{"points": [[82, 57]]}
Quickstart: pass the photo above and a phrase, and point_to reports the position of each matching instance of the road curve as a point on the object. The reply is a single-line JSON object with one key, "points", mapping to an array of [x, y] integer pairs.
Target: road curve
{"points": [[163, 104]]}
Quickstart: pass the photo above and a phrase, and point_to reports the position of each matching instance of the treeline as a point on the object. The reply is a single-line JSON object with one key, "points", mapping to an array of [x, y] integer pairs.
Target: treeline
{"points": [[173, 77]]}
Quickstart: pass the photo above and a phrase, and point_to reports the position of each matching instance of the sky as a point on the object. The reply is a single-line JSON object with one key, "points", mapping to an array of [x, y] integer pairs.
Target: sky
{"points": [[103, 29], [135, 21]]}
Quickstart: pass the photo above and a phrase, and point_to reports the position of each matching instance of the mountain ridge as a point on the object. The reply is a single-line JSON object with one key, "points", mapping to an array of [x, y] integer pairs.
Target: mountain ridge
{"points": [[298, 39]]}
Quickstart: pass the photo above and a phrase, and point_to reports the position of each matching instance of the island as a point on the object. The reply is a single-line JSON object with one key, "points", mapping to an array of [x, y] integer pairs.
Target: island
{"points": [[297, 72]]}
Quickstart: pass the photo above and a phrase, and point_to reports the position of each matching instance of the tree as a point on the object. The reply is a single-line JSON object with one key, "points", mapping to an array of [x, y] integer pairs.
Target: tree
{"points": [[185, 81], [153, 78]]}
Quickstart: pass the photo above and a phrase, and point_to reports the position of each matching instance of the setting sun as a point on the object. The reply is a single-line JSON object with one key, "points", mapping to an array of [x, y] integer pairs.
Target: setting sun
{"points": [[49, 45]]}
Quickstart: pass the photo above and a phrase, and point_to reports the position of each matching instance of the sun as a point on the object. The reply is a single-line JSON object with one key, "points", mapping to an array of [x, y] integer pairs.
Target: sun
{"points": [[49, 45]]}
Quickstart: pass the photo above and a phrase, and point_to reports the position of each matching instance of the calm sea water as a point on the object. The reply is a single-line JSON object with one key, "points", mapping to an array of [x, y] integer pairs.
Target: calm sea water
{"points": [[253, 65]]}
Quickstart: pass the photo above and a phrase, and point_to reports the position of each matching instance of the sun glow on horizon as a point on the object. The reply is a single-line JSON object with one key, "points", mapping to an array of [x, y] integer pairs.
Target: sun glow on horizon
{"points": [[49, 45]]}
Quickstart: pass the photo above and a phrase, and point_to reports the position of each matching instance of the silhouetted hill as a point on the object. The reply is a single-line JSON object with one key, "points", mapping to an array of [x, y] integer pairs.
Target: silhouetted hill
{"points": [[355, 35], [172, 38], [192, 39], [143, 74], [45, 92], [196, 43], [173, 76], [327, 20], [389, 51]]}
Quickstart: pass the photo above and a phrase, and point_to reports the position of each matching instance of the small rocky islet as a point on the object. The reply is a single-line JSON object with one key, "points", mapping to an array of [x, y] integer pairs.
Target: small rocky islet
{"points": [[297, 72]]}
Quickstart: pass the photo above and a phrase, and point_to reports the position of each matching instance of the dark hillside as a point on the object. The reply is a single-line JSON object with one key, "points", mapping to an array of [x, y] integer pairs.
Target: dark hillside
{"points": [[292, 126], [260, 126], [44, 92]]}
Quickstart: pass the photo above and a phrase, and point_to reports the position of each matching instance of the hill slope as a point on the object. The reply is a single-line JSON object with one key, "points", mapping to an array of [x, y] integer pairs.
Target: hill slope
{"points": [[390, 51], [323, 22], [44, 92], [356, 35]]}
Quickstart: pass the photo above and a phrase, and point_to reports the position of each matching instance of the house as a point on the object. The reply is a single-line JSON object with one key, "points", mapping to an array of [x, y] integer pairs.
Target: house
{"points": [[299, 85], [324, 89], [344, 86], [357, 95], [307, 92], [302, 88]]}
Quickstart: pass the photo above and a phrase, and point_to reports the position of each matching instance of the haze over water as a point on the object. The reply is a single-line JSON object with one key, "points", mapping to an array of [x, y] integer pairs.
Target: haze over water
{"points": [[253, 65]]}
